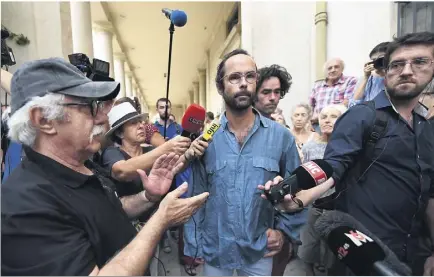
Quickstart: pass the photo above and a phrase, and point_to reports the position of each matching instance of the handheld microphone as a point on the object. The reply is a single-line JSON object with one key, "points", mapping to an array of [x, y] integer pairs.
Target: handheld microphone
{"points": [[192, 121], [355, 246], [177, 17], [211, 131], [304, 177]]}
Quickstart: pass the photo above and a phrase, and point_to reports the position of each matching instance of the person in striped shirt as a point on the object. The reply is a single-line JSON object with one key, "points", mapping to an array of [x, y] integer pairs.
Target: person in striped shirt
{"points": [[336, 88]]}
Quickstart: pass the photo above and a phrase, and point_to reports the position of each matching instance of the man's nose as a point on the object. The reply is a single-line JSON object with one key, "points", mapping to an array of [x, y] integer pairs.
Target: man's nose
{"points": [[274, 96], [407, 70], [243, 82]]}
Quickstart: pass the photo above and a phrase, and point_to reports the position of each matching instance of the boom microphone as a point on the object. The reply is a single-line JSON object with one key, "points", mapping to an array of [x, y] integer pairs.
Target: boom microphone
{"points": [[177, 17], [304, 177], [193, 121], [355, 246]]}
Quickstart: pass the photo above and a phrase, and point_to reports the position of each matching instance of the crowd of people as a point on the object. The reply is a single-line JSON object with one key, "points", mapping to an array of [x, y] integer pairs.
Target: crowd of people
{"points": [[91, 186]]}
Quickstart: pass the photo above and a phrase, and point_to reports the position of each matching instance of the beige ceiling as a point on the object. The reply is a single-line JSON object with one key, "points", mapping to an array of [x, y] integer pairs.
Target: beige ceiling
{"points": [[144, 37]]}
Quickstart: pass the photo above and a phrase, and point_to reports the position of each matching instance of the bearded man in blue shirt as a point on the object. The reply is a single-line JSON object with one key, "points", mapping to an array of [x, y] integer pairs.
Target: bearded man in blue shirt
{"points": [[238, 230]]}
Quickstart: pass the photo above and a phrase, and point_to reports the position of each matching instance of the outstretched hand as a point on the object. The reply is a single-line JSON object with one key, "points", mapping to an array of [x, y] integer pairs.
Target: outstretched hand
{"points": [[161, 176]]}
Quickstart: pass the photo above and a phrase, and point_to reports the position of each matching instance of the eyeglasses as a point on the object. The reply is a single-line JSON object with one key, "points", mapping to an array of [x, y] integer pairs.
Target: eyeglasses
{"points": [[236, 77], [94, 105], [417, 65]]}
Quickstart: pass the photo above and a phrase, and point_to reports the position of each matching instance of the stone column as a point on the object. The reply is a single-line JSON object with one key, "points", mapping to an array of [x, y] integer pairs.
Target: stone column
{"points": [[321, 39], [196, 92], [119, 70], [133, 90], [128, 84], [202, 88], [103, 43], [191, 97], [81, 25]]}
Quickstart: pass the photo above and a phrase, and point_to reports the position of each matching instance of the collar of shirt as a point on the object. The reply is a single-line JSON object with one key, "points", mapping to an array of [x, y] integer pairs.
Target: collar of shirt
{"points": [[58, 173], [340, 81], [224, 120], [382, 101]]}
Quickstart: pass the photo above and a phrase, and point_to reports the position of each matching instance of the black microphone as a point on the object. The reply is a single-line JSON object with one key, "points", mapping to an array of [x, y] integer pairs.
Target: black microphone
{"points": [[177, 17], [354, 245], [304, 177]]}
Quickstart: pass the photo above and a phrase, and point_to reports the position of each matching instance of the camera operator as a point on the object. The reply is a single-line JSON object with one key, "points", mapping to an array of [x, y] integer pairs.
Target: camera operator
{"points": [[372, 83], [61, 216]]}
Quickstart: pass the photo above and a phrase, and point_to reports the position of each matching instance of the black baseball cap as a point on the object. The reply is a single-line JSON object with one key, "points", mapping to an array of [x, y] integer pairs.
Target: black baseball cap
{"points": [[55, 75]]}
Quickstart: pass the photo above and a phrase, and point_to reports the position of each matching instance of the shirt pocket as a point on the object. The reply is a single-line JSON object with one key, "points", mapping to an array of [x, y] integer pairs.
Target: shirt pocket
{"points": [[265, 169]]}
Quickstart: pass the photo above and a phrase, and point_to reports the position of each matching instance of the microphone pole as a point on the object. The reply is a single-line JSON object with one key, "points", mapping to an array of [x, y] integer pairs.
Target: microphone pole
{"points": [[171, 31]]}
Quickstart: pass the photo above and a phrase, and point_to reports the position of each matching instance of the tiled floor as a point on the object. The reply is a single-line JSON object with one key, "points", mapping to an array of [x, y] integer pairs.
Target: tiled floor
{"points": [[173, 268]]}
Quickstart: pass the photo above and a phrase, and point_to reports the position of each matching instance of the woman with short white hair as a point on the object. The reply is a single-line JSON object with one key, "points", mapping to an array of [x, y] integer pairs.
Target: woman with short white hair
{"points": [[312, 247]]}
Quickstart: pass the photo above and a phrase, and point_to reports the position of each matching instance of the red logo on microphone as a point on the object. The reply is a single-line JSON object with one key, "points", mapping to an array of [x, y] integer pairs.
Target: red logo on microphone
{"points": [[315, 171]]}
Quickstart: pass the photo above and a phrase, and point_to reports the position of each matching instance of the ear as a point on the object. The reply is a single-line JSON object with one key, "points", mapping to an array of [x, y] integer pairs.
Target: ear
{"points": [[40, 122]]}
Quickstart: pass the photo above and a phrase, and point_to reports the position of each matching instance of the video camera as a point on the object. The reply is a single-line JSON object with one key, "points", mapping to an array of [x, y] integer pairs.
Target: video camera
{"points": [[7, 55], [98, 71]]}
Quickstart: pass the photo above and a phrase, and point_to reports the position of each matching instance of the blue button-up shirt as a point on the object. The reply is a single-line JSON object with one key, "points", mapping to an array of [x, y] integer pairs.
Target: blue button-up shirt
{"points": [[232, 224], [390, 200], [374, 86]]}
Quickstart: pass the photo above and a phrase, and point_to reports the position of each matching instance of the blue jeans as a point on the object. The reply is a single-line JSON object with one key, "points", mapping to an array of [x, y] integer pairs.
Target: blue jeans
{"points": [[263, 267]]}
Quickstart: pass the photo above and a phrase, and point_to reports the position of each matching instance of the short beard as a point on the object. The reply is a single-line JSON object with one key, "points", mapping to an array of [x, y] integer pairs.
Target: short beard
{"points": [[163, 117], [405, 96], [231, 101]]}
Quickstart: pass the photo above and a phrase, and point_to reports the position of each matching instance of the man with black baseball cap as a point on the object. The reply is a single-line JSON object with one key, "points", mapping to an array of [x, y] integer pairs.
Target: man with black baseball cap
{"points": [[60, 213]]}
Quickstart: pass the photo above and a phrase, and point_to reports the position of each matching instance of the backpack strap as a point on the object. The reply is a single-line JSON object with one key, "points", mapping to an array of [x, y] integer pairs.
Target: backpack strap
{"points": [[371, 138]]}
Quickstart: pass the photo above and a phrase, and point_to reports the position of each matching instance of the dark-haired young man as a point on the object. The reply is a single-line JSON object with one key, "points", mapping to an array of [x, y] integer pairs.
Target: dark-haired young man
{"points": [[394, 198], [273, 83], [173, 128], [238, 230], [372, 82]]}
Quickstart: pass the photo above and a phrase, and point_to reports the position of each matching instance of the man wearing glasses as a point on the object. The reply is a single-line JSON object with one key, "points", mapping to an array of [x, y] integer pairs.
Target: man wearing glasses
{"points": [[60, 214], [393, 197], [238, 230], [372, 82]]}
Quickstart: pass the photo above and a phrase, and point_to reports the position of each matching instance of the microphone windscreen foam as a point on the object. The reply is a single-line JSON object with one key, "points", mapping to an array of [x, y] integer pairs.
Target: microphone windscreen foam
{"points": [[332, 220], [193, 118], [355, 249], [178, 18]]}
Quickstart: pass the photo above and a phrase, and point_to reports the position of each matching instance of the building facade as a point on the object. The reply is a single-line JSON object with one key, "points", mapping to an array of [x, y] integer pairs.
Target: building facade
{"points": [[299, 35]]}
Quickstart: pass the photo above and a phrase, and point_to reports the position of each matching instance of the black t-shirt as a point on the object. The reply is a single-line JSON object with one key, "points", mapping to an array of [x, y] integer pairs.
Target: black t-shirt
{"points": [[114, 154], [56, 221]]}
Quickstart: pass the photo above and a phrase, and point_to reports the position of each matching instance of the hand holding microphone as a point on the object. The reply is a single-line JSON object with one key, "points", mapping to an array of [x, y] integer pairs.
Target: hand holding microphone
{"points": [[178, 145], [307, 183], [200, 144]]}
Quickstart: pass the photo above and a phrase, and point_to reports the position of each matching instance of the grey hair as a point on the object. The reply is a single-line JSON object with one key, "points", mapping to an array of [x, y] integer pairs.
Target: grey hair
{"points": [[305, 106], [334, 59], [339, 107], [21, 129]]}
